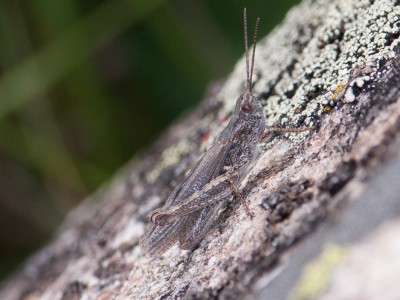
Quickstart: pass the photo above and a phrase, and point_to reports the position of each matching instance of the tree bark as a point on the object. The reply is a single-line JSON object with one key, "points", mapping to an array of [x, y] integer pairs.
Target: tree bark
{"points": [[321, 200]]}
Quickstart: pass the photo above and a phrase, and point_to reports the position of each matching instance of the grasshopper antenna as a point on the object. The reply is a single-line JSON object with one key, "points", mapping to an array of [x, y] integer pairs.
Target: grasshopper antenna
{"points": [[246, 46], [253, 55], [246, 49]]}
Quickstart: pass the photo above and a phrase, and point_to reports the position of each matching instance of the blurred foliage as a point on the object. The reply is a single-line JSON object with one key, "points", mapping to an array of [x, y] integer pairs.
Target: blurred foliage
{"points": [[85, 84]]}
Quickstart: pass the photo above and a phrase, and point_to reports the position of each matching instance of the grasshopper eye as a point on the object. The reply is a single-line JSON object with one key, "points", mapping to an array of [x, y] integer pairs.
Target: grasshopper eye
{"points": [[246, 105]]}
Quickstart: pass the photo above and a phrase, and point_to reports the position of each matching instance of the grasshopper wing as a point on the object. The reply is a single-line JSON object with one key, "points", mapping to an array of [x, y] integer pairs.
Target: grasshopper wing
{"points": [[158, 239]]}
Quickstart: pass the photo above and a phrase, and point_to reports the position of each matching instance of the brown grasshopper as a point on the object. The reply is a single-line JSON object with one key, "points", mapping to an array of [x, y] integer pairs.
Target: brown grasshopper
{"points": [[195, 203]]}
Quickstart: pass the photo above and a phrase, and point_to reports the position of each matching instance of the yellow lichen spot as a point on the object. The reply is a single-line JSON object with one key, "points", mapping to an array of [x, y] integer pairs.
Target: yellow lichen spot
{"points": [[315, 275], [337, 91], [325, 109]]}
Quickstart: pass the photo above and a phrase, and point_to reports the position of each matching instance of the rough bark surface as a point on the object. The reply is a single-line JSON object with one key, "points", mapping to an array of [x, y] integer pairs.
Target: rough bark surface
{"points": [[332, 64]]}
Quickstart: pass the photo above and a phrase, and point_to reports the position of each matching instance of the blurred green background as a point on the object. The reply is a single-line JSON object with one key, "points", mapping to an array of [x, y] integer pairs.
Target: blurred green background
{"points": [[85, 84]]}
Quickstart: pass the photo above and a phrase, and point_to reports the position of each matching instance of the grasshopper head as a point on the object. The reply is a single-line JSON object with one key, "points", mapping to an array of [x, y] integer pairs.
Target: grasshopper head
{"points": [[247, 102], [248, 118]]}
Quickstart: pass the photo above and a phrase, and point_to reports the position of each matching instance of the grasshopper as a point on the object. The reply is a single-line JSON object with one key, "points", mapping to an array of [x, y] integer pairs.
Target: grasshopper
{"points": [[193, 206]]}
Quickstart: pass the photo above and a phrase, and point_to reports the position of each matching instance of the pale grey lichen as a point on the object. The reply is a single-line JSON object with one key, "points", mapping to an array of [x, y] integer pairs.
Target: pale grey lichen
{"points": [[304, 63]]}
